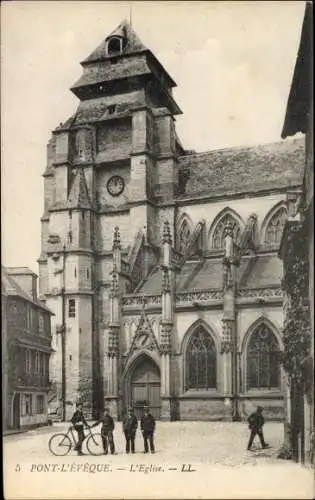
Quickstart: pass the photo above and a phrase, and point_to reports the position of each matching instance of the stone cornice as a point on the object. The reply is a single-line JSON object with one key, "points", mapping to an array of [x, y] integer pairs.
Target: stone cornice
{"points": [[205, 299], [55, 292], [199, 198]]}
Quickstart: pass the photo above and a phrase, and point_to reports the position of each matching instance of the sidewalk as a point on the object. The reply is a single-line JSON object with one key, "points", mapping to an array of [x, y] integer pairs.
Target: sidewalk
{"points": [[10, 432]]}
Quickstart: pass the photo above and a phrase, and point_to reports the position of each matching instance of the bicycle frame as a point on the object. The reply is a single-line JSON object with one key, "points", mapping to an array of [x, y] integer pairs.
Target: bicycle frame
{"points": [[71, 431]]}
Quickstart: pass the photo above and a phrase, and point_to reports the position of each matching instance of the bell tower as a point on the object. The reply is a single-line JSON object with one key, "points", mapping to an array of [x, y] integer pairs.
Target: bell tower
{"points": [[113, 163]]}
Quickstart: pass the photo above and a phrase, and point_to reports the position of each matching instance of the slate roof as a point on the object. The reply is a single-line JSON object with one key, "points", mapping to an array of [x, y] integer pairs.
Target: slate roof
{"points": [[244, 170], [98, 67], [133, 43], [267, 271], [153, 284], [12, 288], [79, 196], [97, 110], [20, 270], [208, 274], [102, 72]]}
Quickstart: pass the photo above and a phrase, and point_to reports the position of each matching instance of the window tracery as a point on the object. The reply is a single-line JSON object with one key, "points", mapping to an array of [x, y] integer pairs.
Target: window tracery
{"points": [[201, 361], [263, 359], [183, 235], [275, 227], [218, 241]]}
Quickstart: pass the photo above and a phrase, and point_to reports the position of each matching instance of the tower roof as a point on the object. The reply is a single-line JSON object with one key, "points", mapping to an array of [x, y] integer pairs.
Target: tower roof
{"points": [[79, 196], [136, 62], [11, 288], [123, 30]]}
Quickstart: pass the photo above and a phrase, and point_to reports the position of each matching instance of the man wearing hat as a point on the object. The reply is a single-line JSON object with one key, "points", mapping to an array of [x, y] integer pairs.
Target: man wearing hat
{"points": [[256, 422], [148, 428], [107, 429], [78, 421], [130, 425]]}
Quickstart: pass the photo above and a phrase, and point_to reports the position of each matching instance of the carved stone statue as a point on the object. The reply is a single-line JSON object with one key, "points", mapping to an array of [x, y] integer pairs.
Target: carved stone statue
{"points": [[227, 274], [294, 202]]}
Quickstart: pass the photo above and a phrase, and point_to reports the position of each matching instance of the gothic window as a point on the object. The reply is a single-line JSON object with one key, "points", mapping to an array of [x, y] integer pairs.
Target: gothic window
{"points": [[218, 242], [263, 360], [201, 361], [183, 235], [275, 227]]}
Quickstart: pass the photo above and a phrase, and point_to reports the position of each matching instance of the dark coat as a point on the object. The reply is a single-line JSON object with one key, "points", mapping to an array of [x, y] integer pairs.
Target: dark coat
{"points": [[78, 419], [130, 424], [107, 422], [256, 421], [148, 423]]}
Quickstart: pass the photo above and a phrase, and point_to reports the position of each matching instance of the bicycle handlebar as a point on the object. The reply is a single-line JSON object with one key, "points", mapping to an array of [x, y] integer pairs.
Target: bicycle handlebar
{"points": [[71, 427]]}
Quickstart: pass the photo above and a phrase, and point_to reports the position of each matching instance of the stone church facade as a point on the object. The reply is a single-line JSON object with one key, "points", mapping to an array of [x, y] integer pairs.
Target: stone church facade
{"points": [[160, 263]]}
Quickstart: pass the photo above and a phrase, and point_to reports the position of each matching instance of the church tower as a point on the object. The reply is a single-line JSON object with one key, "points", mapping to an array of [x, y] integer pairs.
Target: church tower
{"points": [[113, 163]]}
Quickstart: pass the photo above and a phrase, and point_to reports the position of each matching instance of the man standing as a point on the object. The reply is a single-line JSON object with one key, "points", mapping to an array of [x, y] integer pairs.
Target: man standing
{"points": [[130, 425], [148, 428], [256, 422], [107, 429], [78, 421]]}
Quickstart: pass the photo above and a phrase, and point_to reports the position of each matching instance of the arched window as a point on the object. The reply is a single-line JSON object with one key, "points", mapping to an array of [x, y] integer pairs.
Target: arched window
{"points": [[263, 359], [275, 227], [201, 371], [183, 235], [114, 46], [218, 234]]}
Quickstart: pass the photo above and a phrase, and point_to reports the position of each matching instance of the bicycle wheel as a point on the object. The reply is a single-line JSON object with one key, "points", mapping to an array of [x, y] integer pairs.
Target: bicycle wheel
{"points": [[60, 444], [94, 444]]}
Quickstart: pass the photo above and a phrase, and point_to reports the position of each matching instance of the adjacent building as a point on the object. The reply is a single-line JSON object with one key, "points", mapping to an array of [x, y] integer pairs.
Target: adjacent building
{"points": [[161, 264], [297, 252], [26, 348]]}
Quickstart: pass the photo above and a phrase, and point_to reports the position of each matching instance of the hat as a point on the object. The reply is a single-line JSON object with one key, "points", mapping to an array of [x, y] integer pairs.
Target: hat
{"points": [[259, 408]]}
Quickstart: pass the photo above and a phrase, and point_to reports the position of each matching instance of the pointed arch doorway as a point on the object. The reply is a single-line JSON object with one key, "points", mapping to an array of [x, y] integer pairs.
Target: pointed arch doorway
{"points": [[143, 386]]}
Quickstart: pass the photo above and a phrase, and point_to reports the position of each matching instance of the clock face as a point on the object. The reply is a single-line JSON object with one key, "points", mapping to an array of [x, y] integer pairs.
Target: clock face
{"points": [[115, 185]]}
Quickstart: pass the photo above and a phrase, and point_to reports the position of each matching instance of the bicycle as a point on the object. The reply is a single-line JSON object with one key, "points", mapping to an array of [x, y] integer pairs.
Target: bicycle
{"points": [[60, 444]]}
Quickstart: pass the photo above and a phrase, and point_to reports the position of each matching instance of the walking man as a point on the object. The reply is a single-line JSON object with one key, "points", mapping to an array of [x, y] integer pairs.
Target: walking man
{"points": [[78, 421], [256, 422], [148, 428], [107, 429], [130, 425]]}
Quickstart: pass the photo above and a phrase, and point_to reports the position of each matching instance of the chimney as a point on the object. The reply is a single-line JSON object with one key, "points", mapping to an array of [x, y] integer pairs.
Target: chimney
{"points": [[25, 278]]}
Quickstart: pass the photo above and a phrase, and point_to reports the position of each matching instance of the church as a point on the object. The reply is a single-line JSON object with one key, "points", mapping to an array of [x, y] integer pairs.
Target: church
{"points": [[161, 264]]}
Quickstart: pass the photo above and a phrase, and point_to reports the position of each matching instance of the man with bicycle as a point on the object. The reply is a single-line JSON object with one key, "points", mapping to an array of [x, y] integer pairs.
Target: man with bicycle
{"points": [[78, 421], [107, 429]]}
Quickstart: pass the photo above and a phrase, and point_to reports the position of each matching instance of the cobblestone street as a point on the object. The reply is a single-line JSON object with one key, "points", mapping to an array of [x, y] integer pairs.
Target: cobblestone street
{"points": [[215, 451]]}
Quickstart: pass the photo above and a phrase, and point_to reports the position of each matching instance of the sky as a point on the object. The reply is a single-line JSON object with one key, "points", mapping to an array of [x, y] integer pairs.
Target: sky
{"points": [[232, 61]]}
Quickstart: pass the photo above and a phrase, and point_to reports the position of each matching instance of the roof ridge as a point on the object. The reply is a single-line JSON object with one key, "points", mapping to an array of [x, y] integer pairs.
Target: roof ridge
{"points": [[125, 30], [253, 146], [18, 290]]}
